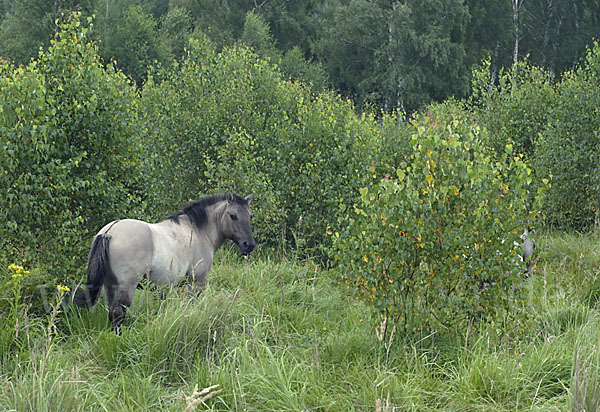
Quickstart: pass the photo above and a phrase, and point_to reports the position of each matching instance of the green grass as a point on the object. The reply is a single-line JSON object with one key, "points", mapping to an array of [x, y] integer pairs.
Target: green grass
{"points": [[279, 336]]}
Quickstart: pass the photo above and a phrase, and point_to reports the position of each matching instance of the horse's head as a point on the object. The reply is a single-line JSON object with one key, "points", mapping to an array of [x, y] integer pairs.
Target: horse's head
{"points": [[236, 223]]}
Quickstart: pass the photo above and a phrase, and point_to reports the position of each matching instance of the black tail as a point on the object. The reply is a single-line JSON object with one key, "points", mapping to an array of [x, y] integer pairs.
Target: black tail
{"points": [[96, 272]]}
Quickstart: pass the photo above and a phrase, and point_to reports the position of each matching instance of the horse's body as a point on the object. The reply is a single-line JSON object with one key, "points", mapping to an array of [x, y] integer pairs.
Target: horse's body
{"points": [[179, 247]]}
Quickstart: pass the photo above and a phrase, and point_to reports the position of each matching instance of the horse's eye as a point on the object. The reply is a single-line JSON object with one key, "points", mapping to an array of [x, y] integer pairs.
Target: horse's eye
{"points": [[233, 216]]}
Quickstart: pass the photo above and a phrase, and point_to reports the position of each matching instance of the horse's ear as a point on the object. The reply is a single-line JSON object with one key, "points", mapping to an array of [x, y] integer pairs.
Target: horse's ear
{"points": [[249, 199], [229, 196]]}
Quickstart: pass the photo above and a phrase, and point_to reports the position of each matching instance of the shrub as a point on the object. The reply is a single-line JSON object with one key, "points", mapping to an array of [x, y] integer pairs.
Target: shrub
{"points": [[555, 127], [229, 121], [516, 109], [432, 246], [204, 120], [568, 148], [69, 147]]}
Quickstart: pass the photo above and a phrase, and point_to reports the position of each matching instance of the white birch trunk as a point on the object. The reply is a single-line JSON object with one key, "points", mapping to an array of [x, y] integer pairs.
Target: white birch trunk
{"points": [[396, 91], [516, 5]]}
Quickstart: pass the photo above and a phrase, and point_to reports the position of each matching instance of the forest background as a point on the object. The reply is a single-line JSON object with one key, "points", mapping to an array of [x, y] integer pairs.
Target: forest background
{"points": [[381, 53]]}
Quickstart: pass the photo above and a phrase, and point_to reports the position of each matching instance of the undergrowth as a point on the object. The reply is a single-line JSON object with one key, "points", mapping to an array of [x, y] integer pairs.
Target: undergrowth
{"points": [[277, 335]]}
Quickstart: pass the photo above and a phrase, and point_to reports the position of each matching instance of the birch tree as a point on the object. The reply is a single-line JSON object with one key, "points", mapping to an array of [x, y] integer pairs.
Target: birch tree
{"points": [[516, 8]]}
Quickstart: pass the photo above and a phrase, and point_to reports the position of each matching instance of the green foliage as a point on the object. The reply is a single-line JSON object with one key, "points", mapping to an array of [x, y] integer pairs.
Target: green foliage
{"points": [[201, 114], [176, 27], [294, 65], [395, 53], [516, 109], [568, 148], [433, 245], [376, 52], [68, 150], [221, 21], [555, 127], [258, 36], [31, 24], [229, 121], [134, 41]]}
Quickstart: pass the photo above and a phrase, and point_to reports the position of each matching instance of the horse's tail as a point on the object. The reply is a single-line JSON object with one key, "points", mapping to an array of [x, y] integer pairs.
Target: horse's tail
{"points": [[96, 272]]}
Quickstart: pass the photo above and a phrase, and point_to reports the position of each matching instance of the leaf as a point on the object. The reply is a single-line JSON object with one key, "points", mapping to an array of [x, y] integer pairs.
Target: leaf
{"points": [[401, 175]]}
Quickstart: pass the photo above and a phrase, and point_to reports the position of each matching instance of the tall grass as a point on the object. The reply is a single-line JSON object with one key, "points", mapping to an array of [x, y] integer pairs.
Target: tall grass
{"points": [[585, 392], [276, 335]]}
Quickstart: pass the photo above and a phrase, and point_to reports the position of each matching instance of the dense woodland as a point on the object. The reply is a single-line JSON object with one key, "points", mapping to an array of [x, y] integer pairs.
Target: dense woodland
{"points": [[382, 53]]}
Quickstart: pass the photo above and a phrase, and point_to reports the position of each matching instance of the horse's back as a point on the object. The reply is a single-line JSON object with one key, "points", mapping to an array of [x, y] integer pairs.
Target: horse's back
{"points": [[130, 249]]}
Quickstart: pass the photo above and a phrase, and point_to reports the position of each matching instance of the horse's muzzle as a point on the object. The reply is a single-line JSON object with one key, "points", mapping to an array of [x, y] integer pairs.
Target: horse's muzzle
{"points": [[246, 247]]}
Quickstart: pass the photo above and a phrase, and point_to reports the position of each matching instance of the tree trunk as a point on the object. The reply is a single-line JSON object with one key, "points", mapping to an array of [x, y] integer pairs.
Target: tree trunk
{"points": [[546, 41], [516, 5], [395, 90], [57, 11]]}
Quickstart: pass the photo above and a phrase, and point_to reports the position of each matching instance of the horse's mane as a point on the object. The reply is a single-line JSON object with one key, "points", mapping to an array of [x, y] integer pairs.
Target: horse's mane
{"points": [[196, 211]]}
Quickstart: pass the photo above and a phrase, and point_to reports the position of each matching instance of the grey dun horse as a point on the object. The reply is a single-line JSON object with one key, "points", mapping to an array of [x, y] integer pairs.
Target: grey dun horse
{"points": [[179, 247]]}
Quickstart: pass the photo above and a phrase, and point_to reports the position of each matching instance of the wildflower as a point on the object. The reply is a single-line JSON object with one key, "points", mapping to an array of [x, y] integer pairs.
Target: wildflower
{"points": [[63, 288], [18, 270]]}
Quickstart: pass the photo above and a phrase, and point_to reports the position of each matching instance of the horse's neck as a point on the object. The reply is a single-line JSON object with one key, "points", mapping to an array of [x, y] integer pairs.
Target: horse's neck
{"points": [[212, 230]]}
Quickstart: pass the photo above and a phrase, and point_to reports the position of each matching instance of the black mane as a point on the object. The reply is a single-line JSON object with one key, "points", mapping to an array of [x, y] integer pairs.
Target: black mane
{"points": [[196, 211]]}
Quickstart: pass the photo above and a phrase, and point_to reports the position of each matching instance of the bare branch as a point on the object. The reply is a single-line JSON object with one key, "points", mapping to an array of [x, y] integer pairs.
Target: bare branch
{"points": [[258, 6]]}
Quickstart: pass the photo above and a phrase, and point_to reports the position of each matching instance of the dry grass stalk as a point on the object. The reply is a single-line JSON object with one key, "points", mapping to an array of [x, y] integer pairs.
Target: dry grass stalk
{"points": [[196, 398], [383, 405]]}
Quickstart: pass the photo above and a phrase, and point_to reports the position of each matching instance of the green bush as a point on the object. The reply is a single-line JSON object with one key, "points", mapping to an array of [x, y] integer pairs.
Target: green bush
{"points": [[130, 36], [432, 246], [203, 121], [69, 148], [516, 109], [555, 126], [568, 148], [229, 121]]}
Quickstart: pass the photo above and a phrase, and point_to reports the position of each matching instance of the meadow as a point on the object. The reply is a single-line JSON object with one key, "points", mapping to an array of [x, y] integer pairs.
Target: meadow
{"points": [[278, 334]]}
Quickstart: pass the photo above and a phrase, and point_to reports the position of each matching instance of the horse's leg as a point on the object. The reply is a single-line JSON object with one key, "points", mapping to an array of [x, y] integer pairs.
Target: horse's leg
{"points": [[198, 275], [119, 297]]}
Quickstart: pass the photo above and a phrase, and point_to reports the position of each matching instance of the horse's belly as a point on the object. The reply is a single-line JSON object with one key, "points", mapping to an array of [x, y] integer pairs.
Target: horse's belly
{"points": [[171, 258], [167, 271]]}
